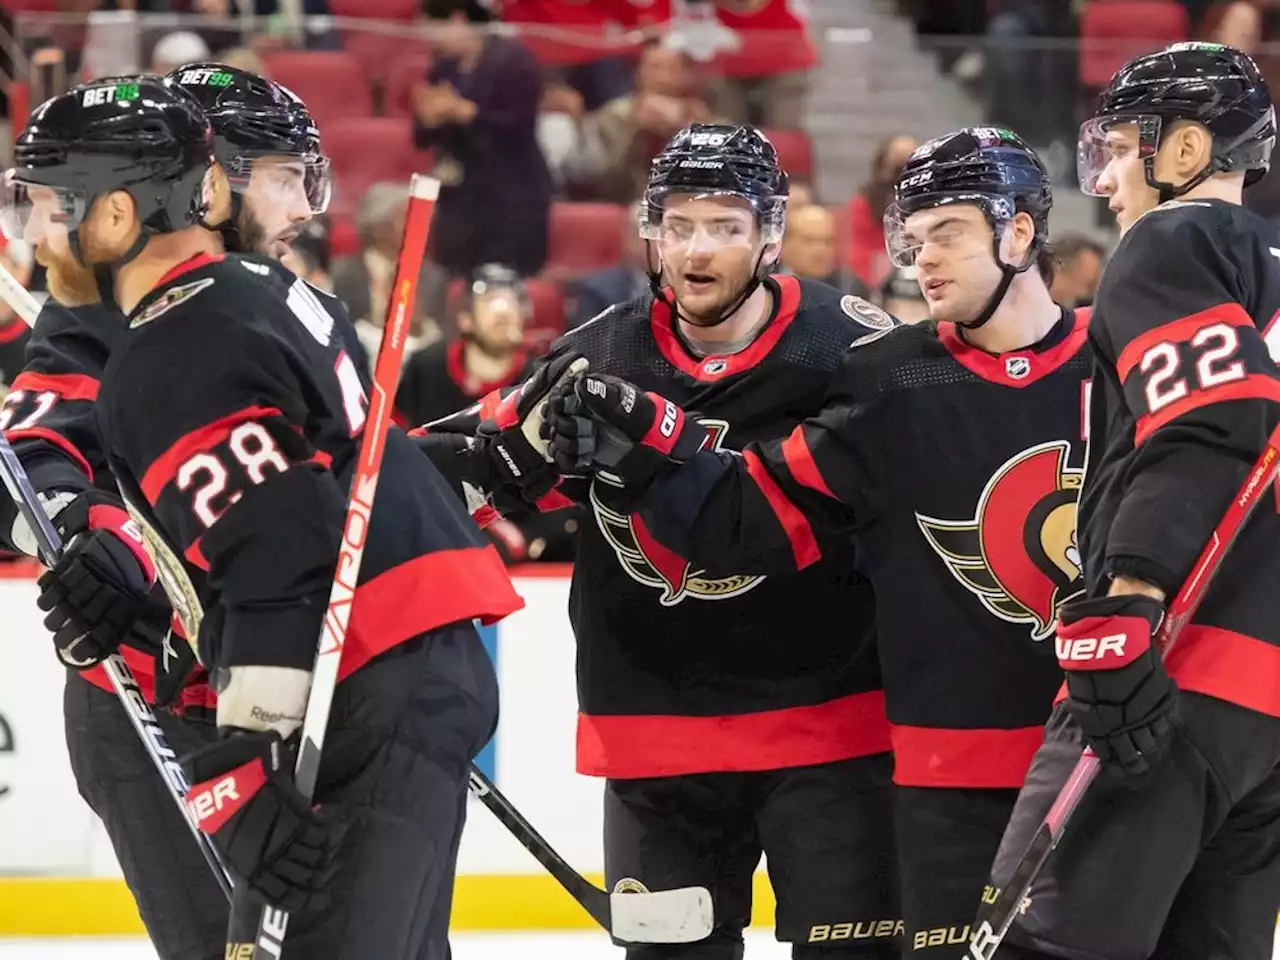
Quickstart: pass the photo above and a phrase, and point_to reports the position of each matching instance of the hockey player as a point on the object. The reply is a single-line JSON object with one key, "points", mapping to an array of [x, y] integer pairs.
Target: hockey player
{"points": [[260, 129], [729, 714], [953, 448], [1175, 852]]}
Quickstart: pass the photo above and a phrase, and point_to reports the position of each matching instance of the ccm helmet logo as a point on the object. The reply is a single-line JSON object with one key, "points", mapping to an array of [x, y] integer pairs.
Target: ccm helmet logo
{"points": [[210, 801], [1083, 649]]}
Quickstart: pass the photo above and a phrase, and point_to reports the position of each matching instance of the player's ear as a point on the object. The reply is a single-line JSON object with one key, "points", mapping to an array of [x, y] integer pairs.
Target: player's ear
{"points": [[1018, 237], [115, 222], [217, 195], [1190, 149]]}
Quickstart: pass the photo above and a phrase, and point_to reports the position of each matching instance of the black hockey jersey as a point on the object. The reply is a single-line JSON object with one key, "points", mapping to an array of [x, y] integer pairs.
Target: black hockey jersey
{"points": [[435, 382], [14, 337], [960, 472], [1186, 390], [48, 417], [231, 414], [684, 671]]}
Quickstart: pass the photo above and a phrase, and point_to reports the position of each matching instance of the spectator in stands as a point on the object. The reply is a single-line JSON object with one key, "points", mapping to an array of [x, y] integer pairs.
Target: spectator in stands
{"points": [[867, 258], [1237, 23], [800, 193], [487, 354], [635, 127], [765, 79], [809, 249], [363, 280], [900, 296], [571, 145], [1077, 268], [242, 58], [597, 291], [174, 49], [478, 111]]}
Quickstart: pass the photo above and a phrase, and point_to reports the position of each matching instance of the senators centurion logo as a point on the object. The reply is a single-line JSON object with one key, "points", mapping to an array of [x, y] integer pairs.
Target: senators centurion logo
{"points": [[1018, 554], [648, 562]]}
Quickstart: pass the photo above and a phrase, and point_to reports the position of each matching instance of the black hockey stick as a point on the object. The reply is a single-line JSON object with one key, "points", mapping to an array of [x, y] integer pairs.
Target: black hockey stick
{"points": [[126, 687], [682, 915], [994, 922]]}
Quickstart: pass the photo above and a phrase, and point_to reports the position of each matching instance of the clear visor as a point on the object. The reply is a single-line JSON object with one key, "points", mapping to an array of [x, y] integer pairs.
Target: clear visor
{"points": [[32, 212], [286, 183], [1105, 141], [904, 237], [734, 228]]}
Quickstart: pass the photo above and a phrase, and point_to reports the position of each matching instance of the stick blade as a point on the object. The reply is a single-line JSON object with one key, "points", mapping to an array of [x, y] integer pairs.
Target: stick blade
{"points": [[682, 915]]}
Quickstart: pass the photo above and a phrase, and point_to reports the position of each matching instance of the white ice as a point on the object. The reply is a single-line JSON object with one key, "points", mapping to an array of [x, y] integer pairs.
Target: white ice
{"points": [[466, 946]]}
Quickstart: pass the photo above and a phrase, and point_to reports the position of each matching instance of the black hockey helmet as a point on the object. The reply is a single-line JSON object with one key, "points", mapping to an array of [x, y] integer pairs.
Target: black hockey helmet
{"points": [[1209, 83], [254, 117], [141, 134], [991, 168], [492, 277], [718, 160]]}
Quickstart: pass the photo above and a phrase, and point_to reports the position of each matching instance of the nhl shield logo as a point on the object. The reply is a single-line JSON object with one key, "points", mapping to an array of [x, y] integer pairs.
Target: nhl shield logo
{"points": [[715, 365], [647, 561], [1018, 368], [1018, 554]]}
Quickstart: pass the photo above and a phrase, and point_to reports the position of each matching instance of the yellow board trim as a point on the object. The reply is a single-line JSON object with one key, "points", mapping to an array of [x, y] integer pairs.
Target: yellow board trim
{"points": [[58, 907]]}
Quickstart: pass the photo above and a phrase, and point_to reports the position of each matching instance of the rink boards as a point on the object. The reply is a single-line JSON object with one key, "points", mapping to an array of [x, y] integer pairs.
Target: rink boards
{"points": [[58, 875]]}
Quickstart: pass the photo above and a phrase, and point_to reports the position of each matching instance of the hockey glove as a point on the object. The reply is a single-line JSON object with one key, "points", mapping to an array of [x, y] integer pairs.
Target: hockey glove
{"points": [[1119, 693], [601, 422], [99, 585], [243, 797], [515, 451]]}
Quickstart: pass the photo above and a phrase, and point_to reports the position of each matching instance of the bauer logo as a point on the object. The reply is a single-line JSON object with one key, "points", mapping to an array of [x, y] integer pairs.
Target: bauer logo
{"points": [[1089, 649]]}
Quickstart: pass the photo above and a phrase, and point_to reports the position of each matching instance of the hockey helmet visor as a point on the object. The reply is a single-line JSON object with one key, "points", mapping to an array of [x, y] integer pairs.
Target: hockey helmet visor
{"points": [[904, 241], [32, 212], [282, 179]]}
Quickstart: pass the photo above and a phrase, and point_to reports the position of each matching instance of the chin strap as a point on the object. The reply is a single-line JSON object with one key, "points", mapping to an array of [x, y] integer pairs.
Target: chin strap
{"points": [[104, 274], [1007, 272]]}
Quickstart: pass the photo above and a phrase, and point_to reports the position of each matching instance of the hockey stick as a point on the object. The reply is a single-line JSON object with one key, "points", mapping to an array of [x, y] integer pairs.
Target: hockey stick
{"points": [[995, 924], [682, 915], [117, 669], [274, 922]]}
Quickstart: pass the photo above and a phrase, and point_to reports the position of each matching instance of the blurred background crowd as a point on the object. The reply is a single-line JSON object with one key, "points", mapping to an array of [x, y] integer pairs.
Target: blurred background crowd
{"points": [[539, 117]]}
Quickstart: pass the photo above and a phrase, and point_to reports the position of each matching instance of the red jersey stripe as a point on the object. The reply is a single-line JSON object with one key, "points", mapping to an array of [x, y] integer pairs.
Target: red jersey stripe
{"points": [[166, 466], [664, 746], [803, 543], [1256, 386], [1179, 331], [55, 438], [68, 386], [977, 759], [799, 459]]}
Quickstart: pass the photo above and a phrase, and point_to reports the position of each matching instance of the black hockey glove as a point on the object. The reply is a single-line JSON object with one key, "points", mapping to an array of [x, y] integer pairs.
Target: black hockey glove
{"points": [[599, 422], [516, 453], [99, 585], [243, 797], [1119, 693]]}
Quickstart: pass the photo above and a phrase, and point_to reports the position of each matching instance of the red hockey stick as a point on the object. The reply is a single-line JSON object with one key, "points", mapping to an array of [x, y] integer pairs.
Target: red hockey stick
{"points": [[995, 922], [355, 527]]}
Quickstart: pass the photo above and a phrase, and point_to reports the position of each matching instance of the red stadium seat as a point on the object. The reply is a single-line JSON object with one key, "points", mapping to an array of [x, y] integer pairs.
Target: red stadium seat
{"points": [[375, 9], [584, 237], [407, 70], [794, 152], [365, 150], [343, 238], [1113, 32], [379, 53], [332, 82]]}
